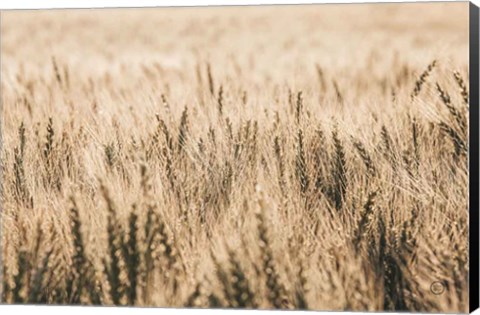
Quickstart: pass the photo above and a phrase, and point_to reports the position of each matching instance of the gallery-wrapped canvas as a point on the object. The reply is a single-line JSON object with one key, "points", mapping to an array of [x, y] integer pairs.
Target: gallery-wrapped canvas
{"points": [[320, 157]]}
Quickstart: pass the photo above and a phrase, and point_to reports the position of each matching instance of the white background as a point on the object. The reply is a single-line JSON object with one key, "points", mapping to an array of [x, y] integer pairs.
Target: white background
{"points": [[39, 4], [54, 310]]}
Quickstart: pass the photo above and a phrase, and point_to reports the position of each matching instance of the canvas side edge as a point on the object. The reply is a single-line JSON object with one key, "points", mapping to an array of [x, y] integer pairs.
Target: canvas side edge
{"points": [[474, 158]]}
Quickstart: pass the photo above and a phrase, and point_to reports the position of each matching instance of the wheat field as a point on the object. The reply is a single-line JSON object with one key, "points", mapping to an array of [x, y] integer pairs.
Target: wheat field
{"points": [[288, 157]]}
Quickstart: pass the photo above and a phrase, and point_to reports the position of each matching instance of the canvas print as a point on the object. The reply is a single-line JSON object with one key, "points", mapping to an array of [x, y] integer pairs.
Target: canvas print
{"points": [[264, 157]]}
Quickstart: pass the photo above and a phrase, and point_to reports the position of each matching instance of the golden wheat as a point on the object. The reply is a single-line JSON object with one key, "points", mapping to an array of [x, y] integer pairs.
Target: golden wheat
{"points": [[247, 157]]}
